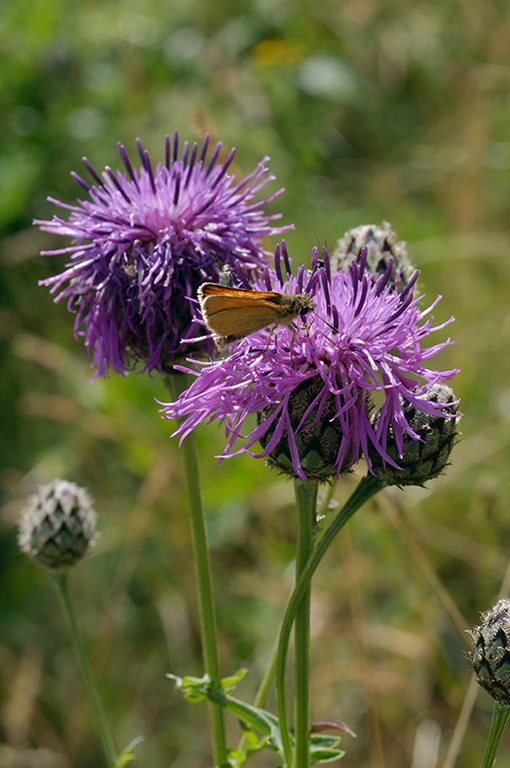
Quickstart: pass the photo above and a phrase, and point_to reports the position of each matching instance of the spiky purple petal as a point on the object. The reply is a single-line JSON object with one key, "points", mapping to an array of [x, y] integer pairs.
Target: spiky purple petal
{"points": [[142, 244], [378, 347]]}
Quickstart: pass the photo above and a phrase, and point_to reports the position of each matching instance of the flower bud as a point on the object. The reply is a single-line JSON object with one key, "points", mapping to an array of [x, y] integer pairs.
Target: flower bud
{"points": [[491, 652], [58, 525], [317, 437], [425, 458], [381, 246]]}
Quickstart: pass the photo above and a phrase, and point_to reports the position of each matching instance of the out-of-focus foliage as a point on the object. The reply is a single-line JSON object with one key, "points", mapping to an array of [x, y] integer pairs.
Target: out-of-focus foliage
{"points": [[370, 111]]}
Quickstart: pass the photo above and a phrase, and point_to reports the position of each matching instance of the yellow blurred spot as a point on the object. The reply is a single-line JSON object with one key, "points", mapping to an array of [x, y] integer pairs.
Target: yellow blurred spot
{"points": [[271, 53]]}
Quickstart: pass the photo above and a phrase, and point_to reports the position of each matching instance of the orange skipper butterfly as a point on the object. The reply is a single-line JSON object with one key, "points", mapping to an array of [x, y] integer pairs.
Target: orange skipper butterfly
{"points": [[233, 313]]}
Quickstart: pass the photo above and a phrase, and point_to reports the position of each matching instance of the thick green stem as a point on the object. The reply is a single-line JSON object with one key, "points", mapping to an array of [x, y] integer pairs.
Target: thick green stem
{"points": [[306, 498], [79, 646], [176, 383], [499, 718], [367, 487]]}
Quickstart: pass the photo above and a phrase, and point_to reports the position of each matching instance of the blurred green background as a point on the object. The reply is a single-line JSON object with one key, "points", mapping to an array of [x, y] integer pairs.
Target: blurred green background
{"points": [[371, 111]]}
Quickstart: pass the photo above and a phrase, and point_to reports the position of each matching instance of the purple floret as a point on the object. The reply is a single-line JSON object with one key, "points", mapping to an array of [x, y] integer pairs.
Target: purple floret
{"points": [[142, 244], [362, 338]]}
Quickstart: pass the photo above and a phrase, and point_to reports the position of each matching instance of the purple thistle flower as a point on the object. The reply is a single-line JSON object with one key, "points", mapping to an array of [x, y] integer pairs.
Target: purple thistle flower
{"points": [[144, 242], [362, 338]]}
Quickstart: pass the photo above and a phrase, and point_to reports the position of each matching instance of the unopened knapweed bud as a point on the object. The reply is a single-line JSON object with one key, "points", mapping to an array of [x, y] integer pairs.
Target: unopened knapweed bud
{"points": [[58, 525], [491, 652], [316, 434], [381, 245], [423, 458]]}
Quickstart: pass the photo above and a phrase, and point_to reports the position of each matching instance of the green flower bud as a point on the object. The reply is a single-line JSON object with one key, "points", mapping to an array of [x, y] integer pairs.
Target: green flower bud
{"points": [[317, 439], [58, 525], [381, 246], [491, 652], [425, 458]]}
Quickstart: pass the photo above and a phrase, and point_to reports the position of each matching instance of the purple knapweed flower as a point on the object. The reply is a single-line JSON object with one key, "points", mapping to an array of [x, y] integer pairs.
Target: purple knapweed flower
{"points": [[314, 382], [145, 240]]}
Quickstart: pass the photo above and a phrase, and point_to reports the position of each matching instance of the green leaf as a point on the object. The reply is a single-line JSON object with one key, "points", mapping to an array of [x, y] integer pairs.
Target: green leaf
{"points": [[229, 683], [326, 756], [252, 745], [323, 747], [320, 740], [197, 689], [127, 754]]}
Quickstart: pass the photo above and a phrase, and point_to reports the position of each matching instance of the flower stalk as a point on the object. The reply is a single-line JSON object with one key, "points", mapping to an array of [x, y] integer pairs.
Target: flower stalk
{"points": [[176, 383], [366, 488], [499, 719], [62, 585], [263, 692], [306, 498]]}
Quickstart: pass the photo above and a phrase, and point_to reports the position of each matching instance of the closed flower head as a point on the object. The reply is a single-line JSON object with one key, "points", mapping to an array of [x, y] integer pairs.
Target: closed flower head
{"points": [[491, 652], [312, 384], [143, 242], [423, 457], [58, 525], [382, 246]]}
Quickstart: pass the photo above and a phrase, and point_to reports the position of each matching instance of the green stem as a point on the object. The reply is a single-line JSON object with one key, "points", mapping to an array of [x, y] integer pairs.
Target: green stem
{"points": [[176, 384], [260, 698], [79, 646], [366, 488], [499, 718], [306, 499], [270, 672]]}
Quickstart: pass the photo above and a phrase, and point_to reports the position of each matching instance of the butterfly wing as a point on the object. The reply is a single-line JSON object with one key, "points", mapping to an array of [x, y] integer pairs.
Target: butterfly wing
{"points": [[227, 316], [209, 290], [233, 313]]}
